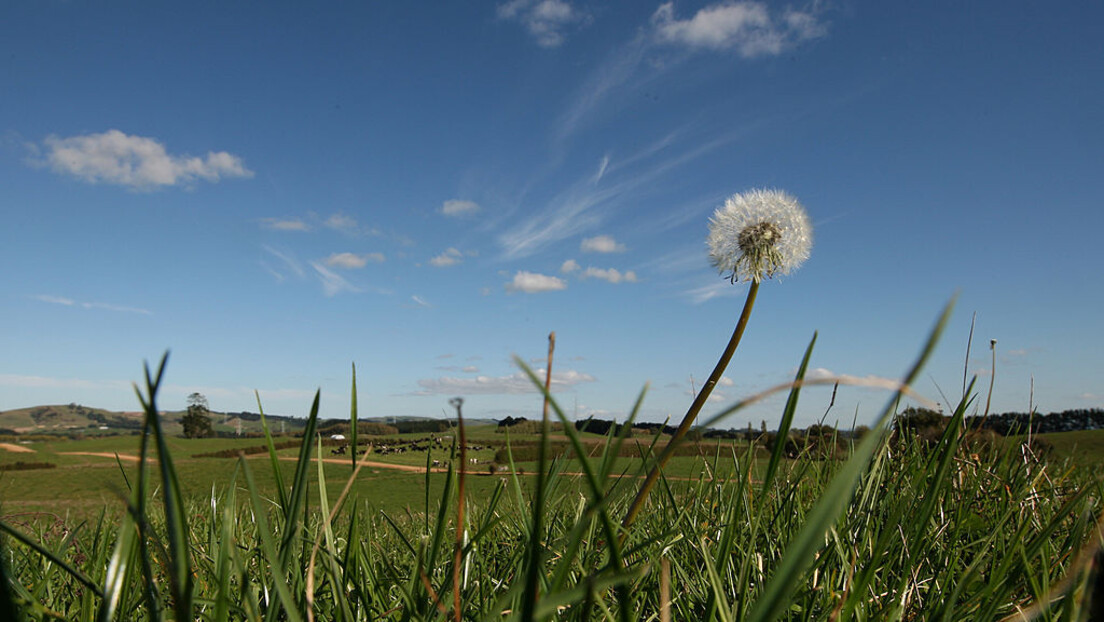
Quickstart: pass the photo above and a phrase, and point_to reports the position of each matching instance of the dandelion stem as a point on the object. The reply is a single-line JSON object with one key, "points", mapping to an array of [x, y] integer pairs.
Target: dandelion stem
{"points": [[695, 408]]}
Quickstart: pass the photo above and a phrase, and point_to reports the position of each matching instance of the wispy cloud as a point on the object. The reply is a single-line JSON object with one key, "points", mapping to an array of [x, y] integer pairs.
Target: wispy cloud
{"points": [[708, 292], [601, 244], [546, 20], [421, 302], [467, 369], [532, 283], [333, 283], [450, 257], [287, 261], [583, 205], [42, 382], [68, 302], [614, 71], [342, 222], [135, 162], [218, 394], [285, 224], [57, 300], [458, 207], [749, 28], [111, 307], [611, 275], [352, 260], [513, 384], [603, 164]]}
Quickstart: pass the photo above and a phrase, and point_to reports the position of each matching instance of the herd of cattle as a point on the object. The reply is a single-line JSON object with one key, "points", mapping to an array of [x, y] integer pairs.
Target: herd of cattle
{"points": [[401, 446]]}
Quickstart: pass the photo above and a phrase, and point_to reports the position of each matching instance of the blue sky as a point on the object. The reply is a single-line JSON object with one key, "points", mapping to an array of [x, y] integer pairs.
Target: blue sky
{"points": [[274, 191]]}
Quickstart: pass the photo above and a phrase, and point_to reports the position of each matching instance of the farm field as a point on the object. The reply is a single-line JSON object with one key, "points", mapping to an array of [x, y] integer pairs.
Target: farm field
{"points": [[87, 477], [817, 524]]}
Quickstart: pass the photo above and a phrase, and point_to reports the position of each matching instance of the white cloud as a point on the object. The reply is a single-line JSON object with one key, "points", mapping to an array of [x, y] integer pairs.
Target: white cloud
{"points": [[333, 283], [544, 19], [341, 222], [823, 375], [352, 260], [747, 27], [68, 302], [450, 257], [569, 266], [531, 283], [601, 244], [421, 302], [612, 275], [136, 162], [518, 383], [280, 224], [457, 207], [725, 381], [715, 396]]}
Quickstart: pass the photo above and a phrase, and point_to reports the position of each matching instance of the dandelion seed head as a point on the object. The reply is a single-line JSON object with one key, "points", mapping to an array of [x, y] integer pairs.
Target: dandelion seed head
{"points": [[759, 233]]}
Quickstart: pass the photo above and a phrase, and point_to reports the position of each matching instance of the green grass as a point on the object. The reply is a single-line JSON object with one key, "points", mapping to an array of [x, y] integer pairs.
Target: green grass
{"points": [[891, 531]]}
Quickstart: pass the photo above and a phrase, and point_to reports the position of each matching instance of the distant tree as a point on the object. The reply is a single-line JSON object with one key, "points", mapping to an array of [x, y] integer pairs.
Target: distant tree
{"points": [[197, 421]]}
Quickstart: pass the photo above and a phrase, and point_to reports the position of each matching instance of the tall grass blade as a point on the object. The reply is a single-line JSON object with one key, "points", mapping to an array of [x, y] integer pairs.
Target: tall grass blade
{"points": [[787, 420], [295, 510], [48, 554], [176, 523], [8, 609], [277, 473], [277, 565], [799, 554], [352, 421]]}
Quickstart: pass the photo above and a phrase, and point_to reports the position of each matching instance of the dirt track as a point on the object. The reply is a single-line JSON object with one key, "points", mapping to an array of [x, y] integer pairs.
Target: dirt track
{"points": [[103, 454], [410, 468], [18, 449]]}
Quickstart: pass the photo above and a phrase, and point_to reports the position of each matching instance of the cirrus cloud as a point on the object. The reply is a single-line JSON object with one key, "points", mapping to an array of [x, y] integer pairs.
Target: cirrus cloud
{"points": [[513, 384], [135, 162]]}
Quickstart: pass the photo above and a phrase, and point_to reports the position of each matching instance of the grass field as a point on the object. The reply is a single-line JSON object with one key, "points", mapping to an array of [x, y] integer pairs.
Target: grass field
{"points": [[890, 527], [88, 477]]}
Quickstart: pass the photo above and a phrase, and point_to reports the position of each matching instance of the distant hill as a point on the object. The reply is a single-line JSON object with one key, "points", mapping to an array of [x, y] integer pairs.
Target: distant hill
{"points": [[75, 419], [64, 419]]}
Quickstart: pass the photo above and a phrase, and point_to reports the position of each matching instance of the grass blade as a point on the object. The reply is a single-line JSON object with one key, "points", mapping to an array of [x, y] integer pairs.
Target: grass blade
{"points": [[799, 554], [176, 523]]}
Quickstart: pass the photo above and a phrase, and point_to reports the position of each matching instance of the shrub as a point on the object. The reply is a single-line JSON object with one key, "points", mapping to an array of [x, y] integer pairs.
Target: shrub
{"points": [[27, 466]]}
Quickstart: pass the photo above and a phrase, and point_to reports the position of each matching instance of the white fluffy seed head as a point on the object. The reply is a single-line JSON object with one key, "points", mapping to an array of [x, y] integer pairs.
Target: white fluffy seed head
{"points": [[759, 233]]}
